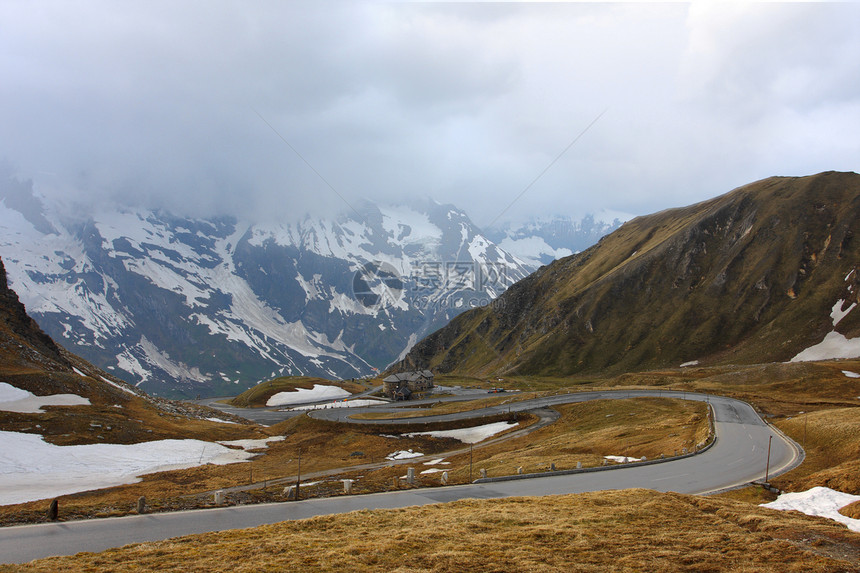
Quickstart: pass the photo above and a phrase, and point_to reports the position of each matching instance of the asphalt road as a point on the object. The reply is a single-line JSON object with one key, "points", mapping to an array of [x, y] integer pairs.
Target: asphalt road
{"points": [[725, 408], [739, 456], [273, 415]]}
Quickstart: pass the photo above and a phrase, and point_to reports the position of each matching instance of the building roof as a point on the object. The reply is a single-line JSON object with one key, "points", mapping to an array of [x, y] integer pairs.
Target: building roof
{"points": [[408, 376]]}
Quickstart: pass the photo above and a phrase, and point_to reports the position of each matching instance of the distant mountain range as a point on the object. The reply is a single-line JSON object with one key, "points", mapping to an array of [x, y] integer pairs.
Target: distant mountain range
{"points": [[767, 272], [541, 241], [184, 306]]}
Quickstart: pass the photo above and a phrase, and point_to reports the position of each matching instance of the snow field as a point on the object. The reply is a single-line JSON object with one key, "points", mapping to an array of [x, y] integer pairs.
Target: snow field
{"points": [[403, 455], [622, 459], [304, 395], [14, 399], [469, 435], [341, 404], [834, 345], [820, 501], [32, 469]]}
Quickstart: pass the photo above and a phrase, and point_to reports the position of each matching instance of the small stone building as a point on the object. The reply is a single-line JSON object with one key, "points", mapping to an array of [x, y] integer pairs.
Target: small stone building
{"points": [[401, 386]]}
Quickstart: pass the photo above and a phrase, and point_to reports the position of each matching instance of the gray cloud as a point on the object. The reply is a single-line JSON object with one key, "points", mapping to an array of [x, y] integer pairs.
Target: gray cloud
{"points": [[156, 103]]}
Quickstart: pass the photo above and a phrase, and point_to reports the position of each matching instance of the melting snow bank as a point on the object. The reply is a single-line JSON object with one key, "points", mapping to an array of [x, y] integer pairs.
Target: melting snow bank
{"points": [[469, 435], [32, 469], [403, 455], [318, 393], [834, 345], [622, 459], [341, 404], [820, 501], [14, 399]]}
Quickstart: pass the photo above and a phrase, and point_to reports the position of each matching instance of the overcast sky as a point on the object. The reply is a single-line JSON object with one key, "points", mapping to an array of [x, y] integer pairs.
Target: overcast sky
{"points": [[170, 104]]}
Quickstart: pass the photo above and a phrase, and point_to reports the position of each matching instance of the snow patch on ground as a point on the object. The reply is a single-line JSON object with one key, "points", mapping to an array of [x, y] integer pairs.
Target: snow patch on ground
{"points": [[14, 399], [219, 420], [304, 395], [469, 435], [837, 314], [850, 374], [834, 345], [403, 455], [690, 363], [32, 469], [432, 471], [341, 404], [120, 386], [622, 459], [820, 501]]}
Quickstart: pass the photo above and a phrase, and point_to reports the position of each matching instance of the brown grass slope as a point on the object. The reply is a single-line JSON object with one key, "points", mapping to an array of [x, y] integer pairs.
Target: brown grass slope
{"points": [[607, 531], [748, 277]]}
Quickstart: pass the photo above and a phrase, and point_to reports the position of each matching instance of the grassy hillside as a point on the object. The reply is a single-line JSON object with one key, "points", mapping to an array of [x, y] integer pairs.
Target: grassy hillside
{"points": [[587, 532], [749, 277]]}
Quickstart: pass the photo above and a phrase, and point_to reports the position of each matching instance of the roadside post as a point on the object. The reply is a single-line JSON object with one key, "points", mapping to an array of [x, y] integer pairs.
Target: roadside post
{"points": [[299, 475], [767, 468]]}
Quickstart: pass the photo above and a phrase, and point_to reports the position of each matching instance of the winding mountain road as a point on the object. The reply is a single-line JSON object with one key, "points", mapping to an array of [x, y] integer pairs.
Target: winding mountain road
{"points": [[739, 456]]}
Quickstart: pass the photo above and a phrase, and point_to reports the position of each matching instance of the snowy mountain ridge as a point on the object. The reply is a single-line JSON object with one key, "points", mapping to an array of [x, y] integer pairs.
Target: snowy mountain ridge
{"points": [[185, 306]]}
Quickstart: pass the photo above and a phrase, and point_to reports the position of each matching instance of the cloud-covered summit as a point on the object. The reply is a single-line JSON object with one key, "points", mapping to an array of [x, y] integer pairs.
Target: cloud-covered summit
{"points": [[272, 109]]}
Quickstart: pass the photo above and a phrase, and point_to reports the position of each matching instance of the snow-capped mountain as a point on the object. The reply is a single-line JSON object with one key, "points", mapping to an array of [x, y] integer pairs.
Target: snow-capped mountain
{"points": [[185, 306], [541, 241]]}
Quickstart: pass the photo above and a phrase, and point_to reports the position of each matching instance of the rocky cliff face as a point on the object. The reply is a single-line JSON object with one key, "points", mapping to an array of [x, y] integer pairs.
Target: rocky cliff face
{"points": [[23, 342], [760, 274]]}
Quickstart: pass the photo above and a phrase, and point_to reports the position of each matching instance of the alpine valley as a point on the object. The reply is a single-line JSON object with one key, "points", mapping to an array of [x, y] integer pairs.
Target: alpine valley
{"points": [[187, 306]]}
